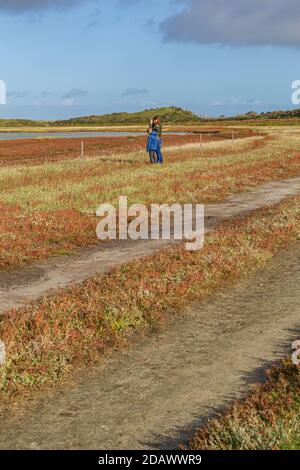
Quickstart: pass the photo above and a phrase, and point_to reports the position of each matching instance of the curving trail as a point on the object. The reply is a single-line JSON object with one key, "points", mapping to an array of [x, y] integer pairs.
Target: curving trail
{"points": [[41, 278], [152, 395]]}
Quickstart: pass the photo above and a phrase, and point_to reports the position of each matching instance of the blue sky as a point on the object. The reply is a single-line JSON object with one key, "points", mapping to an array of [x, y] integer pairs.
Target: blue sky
{"points": [[64, 58]]}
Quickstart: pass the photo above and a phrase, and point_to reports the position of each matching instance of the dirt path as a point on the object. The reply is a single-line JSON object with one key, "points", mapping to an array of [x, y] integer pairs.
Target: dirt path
{"points": [[152, 395], [40, 278]]}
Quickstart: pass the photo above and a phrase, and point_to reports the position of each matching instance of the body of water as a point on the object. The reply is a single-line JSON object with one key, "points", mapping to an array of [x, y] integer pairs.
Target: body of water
{"points": [[71, 135]]}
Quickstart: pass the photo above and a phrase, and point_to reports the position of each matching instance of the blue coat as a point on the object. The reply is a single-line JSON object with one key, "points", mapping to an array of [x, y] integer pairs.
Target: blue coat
{"points": [[153, 143]]}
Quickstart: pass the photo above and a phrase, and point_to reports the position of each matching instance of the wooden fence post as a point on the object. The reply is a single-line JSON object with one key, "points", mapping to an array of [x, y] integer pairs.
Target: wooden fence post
{"points": [[82, 151]]}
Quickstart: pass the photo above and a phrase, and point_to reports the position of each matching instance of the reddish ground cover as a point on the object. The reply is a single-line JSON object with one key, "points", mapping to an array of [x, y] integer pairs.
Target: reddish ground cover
{"points": [[33, 151]]}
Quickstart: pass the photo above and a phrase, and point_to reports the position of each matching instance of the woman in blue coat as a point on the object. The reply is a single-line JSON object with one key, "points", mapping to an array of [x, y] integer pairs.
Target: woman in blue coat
{"points": [[153, 146]]}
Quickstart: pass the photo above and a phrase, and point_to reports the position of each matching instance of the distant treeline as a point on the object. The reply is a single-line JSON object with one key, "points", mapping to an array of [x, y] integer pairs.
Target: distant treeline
{"points": [[169, 115]]}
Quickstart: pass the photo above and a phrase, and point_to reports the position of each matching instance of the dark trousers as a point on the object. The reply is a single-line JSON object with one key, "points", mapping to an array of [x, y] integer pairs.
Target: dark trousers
{"points": [[159, 156], [153, 156]]}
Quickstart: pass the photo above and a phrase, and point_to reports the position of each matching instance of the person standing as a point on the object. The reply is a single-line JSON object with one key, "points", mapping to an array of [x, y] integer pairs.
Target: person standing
{"points": [[158, 127], [154, 141]]}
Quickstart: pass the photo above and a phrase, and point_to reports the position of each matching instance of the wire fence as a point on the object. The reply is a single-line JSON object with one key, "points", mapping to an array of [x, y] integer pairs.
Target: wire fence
{"points": [[44, 150]]}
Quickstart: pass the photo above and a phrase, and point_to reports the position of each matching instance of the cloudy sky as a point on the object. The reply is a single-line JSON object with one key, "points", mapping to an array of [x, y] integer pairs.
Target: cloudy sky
{"points": [[63, 58]]}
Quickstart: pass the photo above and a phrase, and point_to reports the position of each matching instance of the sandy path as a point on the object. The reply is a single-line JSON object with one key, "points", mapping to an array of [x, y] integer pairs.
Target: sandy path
{"points": [[40, 278], [152, 395]]}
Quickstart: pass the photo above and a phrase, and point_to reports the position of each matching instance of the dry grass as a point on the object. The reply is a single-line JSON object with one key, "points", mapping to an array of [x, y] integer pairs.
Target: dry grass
{"points": [[49, 209], [50, 339]]}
